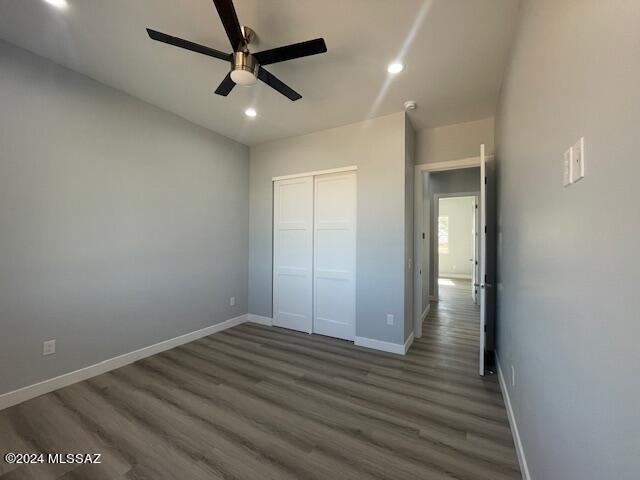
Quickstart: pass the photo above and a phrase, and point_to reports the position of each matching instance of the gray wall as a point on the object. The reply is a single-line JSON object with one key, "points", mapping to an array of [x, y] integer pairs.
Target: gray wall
{"points": [[121, 225], [464, 180], [568, 263], [377, 148], [409, 165], [454, 142]]}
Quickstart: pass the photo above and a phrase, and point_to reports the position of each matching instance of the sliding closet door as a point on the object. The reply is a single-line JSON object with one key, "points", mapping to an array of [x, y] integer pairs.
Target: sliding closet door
{"points": [[293, 253], [335, 255]]}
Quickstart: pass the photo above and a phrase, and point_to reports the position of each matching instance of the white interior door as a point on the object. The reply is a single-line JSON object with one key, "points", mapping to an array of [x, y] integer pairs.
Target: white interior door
{"points": [[476, 251], [421, 251], [293, 253], [426, 241], [487, 256], [335, 255]]}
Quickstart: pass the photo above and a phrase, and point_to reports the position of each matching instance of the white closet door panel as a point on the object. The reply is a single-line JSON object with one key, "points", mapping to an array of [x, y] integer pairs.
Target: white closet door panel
{"points": [[335, 255], [293, 254]]}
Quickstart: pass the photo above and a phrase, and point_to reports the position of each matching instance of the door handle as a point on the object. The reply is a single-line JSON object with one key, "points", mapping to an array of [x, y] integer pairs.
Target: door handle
{"points": [[476, 284], [488, 285]]}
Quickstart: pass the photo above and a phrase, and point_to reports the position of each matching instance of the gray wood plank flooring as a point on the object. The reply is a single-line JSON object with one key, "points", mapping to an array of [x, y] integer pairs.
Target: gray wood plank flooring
{"points": [[256, 402]]}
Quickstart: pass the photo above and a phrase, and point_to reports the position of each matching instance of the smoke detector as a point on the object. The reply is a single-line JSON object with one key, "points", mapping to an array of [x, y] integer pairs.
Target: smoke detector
{"points": [[410, 105]]}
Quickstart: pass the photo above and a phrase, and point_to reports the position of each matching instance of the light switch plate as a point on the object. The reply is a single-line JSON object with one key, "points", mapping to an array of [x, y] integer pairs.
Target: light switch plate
{"points": [[390, 319], [567, 164], [577, 161], [49, 347]]}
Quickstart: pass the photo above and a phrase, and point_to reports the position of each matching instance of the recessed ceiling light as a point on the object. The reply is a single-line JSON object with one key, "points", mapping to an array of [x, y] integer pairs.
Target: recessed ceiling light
{"points": [[250, 112], [395, 67], [58, 3]]}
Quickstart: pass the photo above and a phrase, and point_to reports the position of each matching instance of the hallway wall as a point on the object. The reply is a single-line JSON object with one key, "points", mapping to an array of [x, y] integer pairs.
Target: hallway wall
{"points": [[454, 142], [568, 316]]}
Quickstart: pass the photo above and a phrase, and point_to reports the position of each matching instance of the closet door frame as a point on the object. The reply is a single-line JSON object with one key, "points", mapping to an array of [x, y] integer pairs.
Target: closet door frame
{"points": [[275, 290]]}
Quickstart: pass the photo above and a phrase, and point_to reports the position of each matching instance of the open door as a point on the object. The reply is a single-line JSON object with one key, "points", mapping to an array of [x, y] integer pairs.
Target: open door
{"points": [[487, 257], [421, 245], [475, 263]]}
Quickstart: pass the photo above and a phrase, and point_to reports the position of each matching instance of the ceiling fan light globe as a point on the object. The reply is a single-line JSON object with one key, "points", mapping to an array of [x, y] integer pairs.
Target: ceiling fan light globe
{"points": [[243, 77]]}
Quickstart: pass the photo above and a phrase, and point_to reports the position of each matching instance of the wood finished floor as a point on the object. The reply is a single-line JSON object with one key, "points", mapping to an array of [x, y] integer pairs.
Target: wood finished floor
{"points": [[256, 402]]}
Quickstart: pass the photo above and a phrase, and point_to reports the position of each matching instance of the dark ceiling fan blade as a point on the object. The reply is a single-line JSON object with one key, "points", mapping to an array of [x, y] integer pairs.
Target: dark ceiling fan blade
{"points": [[289, 52], [278, 85], [227, 13], [186, 44], [226, 86]]}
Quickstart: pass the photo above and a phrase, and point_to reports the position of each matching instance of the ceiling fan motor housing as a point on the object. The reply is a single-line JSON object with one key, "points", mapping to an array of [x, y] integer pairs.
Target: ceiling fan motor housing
{"points": [[244, 68]]}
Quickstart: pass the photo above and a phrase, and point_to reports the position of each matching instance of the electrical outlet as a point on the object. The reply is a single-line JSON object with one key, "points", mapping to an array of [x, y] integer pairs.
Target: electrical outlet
{"points": [[577, 161], [513, 376], [49, 347], [232, 301], [390, 319]]}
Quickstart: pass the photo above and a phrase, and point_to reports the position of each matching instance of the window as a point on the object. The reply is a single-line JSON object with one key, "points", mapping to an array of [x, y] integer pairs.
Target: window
{"points": [[443, 235]]}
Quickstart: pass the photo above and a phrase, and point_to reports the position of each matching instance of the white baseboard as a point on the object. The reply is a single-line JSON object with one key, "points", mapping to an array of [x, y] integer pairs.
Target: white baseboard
{"points": [[408, 342], [382, 345], [31, 391], [522, 460], [268, 321], [360, 341], [423, 317], [455, 275]]}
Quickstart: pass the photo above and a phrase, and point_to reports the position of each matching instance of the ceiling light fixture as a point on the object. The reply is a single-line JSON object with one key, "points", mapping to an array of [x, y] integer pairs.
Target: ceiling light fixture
{"points": [[245, 69], [58, 3], [395, 67], [250, 112]]}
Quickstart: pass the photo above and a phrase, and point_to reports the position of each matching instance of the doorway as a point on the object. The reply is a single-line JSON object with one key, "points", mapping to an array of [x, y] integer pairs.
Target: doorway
{"points": [[472, 177], [456, 242]]}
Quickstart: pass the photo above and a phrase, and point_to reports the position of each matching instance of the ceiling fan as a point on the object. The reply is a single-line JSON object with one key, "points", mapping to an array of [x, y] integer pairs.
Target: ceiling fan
{"points": [[246, 67]]}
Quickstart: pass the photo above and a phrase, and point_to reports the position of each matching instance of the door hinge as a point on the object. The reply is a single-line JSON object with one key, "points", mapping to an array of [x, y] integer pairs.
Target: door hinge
{"points": [[485, 180], [485, 279], [485, 229], [423, 235], [485, 327]]}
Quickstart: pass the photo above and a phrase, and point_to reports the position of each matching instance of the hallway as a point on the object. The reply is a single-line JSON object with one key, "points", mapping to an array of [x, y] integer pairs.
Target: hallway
{"points": [[453, 323], [450, 338]]}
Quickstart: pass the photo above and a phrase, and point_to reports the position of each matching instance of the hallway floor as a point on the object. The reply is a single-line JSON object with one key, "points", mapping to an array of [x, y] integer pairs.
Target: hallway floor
{"points": [[256, 402]]}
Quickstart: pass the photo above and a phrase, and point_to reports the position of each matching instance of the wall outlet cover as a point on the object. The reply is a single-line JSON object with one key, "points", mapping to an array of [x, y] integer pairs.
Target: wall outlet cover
{"points": [[232, 301], [390, 319], [49, 347], [577, 161]]}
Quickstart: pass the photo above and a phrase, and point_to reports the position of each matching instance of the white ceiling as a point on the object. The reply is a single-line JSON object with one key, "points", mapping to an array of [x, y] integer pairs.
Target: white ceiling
{"points": [[454, 51]]}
